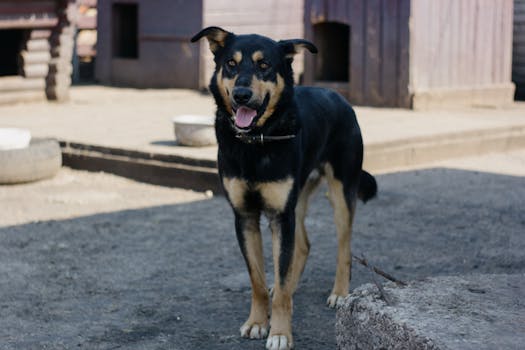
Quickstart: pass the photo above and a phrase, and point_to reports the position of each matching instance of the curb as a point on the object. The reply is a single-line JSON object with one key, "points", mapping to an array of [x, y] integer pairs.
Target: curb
{"points": [[384, 156], [201, 175], [157, 169]]}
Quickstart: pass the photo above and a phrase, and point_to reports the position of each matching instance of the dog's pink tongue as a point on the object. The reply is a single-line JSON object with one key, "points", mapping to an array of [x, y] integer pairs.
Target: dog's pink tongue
{"points": [[244, 117]]}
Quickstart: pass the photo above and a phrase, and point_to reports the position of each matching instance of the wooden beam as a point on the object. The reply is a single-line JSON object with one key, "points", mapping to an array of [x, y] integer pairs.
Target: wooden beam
{"points": [[31, 57], [37, 21], [18, 83]]}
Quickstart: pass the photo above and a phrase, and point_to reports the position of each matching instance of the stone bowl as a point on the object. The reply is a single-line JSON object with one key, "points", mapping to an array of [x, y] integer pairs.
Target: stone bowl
{"points": [[13, 138], [194, 130]]}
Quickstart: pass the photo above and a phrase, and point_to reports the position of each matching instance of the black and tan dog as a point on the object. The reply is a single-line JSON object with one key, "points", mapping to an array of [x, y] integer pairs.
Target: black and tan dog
{"points": [[276, 142]]}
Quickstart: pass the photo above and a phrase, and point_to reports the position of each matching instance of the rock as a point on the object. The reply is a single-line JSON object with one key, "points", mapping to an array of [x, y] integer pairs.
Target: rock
{"points": [[463, 312]]}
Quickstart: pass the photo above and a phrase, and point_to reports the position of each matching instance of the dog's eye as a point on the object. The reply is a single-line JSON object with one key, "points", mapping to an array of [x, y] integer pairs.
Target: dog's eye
{"points": [[264, 65], [232, 63]]}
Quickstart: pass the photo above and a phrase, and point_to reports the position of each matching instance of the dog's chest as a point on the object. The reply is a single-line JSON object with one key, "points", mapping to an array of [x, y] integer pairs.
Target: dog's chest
{"points": [[269, 195]]}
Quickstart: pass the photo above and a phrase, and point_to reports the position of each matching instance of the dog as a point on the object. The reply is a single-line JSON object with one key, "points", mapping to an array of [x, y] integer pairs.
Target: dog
{"points": [[275, 143]]}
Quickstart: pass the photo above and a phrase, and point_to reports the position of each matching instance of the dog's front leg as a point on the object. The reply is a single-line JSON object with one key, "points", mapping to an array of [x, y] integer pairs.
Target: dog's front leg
{"points": [[250, 242], [283, 226]]}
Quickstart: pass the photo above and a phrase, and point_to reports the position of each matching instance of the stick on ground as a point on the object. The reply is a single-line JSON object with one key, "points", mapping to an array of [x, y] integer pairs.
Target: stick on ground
{"points": [[389, 277]]}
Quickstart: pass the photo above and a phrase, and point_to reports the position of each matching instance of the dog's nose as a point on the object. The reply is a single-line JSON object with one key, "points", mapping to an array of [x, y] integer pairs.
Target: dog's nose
{"points": [[242, 95]]}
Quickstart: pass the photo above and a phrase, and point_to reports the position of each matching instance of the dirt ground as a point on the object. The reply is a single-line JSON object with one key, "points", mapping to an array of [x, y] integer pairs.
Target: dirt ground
{"points": [[93, 261], [73, 193]]}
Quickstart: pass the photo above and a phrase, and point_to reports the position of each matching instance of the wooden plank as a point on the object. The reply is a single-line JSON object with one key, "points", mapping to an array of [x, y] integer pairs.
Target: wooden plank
{"points": [[40, 34], [86, 50], [498, 45], [18, 83], [35, 70], [456, 40], [389, 52], [357, 51], [60, 79], [404, 98], [88, 3], [86, 22], [507, 48], [31, 57], [10, 97], [37, 21], [26, 7], [373, 53], [37, 45]]}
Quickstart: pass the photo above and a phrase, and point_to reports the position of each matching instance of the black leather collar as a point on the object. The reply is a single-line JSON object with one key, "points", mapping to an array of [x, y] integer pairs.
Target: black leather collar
{"points": [[262, 139]]}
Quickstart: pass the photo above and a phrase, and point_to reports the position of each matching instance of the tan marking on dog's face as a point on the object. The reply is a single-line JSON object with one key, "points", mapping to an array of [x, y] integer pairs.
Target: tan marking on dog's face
{"points": [[236, 190], [237, 57], [275, 194], [257, 56], [275, 89], [225, 86]]}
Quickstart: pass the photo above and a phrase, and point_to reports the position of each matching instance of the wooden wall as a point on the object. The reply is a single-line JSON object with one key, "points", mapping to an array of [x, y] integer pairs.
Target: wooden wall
{"points": [[277, 19], [46, 49], [166, 58], [379, 46], [460, 48], [518, 53]]}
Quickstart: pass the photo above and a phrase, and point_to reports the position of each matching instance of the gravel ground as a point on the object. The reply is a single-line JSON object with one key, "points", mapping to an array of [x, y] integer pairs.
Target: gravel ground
{"points": [[153, 268]]}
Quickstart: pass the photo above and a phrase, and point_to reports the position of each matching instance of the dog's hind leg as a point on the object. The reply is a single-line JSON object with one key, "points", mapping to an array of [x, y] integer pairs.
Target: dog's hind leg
{"points": [[343, 200], [302, 245], [249, 236]]}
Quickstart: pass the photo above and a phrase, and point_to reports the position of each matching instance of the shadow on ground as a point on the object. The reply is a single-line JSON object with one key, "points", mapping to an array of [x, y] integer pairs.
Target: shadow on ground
{"points": [[172, 277]]}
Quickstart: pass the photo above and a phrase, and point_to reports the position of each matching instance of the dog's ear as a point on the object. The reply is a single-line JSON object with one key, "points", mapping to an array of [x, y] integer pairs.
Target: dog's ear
{"points": [[291, 47], [216, 37]]}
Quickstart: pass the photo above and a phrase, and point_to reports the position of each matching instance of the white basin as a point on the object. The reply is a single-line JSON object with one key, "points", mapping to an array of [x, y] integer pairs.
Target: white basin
{"points": [[13, 138], [194, 130]]}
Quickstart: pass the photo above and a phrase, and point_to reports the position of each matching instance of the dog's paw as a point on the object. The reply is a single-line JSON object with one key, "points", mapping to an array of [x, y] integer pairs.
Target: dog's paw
{"points": [[279, 342], [335, 300], [254, 330]]}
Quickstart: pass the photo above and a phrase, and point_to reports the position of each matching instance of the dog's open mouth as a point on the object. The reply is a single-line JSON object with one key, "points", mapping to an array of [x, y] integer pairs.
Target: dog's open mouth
{"points": [[244, 117]]}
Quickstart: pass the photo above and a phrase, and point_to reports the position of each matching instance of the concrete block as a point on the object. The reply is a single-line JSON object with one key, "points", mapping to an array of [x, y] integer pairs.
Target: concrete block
{"points": [[464, 312]]}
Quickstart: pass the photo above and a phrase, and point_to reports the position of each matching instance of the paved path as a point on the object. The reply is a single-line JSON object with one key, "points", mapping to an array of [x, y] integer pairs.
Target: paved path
{"points": [[134, 119], [172, 277]]}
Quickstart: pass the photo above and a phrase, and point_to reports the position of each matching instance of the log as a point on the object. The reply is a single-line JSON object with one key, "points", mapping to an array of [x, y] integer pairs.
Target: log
{"points": [[58, 93], [60, 66], [61, 39], [86, 50], [18, 83], [43, 20], [63, 51], [21, 96], [37, 45], [32, 57], [36, 70], [40, 34], [60, 80]]}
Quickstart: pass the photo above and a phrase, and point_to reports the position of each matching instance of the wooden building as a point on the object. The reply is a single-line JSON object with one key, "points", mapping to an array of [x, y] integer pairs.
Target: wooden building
{"points": [[518, 52], [86, 41], [412, 53], [145, 44], [36, 41]]}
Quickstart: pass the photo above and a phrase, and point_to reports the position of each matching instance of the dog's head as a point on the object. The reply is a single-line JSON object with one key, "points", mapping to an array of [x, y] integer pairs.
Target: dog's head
{"points": [[253, 74]]}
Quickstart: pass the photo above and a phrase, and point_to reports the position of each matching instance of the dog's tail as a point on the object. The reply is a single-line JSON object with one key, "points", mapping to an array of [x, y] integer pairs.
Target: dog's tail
{"points": [[367, 187]]}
